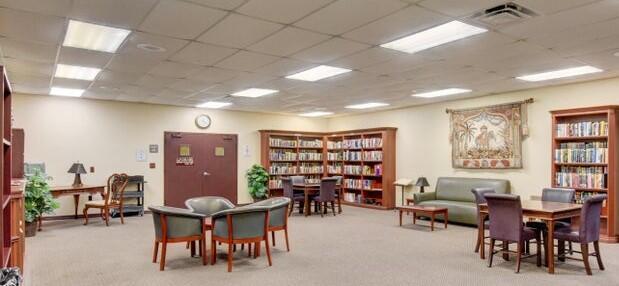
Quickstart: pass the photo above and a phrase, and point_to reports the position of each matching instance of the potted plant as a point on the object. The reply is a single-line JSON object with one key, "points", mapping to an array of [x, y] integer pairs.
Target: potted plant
{"points": [[257, 179], [38, 201]]}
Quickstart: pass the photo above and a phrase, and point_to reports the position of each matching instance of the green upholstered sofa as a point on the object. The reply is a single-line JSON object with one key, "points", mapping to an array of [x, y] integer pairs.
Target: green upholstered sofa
{"points": [[455, 194]]}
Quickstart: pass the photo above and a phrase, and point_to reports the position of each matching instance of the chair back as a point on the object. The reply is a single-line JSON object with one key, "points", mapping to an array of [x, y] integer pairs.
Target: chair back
{"points": [[176, 222], [241, 223], [479, 195], [208, 205], [558, 195], [298, 180], [505, 213], [278, 210], [287, 187], [116, 185], [589, 229], [327, 189]]}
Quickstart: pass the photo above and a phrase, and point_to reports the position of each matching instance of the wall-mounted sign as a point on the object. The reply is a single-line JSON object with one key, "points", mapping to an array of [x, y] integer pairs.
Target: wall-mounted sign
{"points": [[153, 148], [219, 151], [184, 161], [184, 151], [140, 155]]}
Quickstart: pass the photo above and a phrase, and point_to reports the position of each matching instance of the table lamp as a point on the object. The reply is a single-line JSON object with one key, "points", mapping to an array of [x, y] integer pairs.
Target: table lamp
{"points": [[77, 169], [422, 182]]}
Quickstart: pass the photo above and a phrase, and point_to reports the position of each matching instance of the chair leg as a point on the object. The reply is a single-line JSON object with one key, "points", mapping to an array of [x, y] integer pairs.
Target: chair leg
{"points": [[122, 215], [229, 257], [203, 251], [249, 250], [596, 247], [571, 250], [538, 243], [491, 252], [213, 252], [584, 248], [478, 243], [333, 207], [193, 248], [85, 215], [273, 237], [561, 250], [527, 247], [291, 208], [155, 251], [518, 256], [164, 246], [320, 209], [107, 217], [287, 243], [268, 249], [187, 246]]}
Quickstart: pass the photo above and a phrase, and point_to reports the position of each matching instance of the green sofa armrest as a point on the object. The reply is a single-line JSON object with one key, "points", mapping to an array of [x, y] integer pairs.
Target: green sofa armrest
{"points": [[428, 196]]}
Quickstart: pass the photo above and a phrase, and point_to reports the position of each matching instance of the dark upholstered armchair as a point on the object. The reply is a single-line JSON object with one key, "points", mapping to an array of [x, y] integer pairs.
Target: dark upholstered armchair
{"points": [[208, 205], [240, 225], [177, 225], [278, 216], [480, 199], [506, 225], [326, 195], [588, 232]]}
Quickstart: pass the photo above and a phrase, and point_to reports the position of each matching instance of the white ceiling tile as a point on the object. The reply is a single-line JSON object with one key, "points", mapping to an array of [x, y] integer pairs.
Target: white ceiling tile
{"points": [[190, 85], [82, 57], [26, 67], [51, 7], [174, 70], [398, 64], [27, 89], [213, 75], [221, 4], [28, 50], [249, 79], [281, 11], [71, 83], [288, 41], [239, 31], [548, 7], [281, 84], [284, 67], [170, 45], [330, 50], [605, 60], [366, 58], [465, 50], [202, 54], [345, 15], [180, 19], [28, 26], [151, 81], [132, 63], [246, 61], [173, 93], [29, 80], [597, 45], [117, 13], [140, 91], [129, 97], [118, 77], [461, 7], [402, 23]]}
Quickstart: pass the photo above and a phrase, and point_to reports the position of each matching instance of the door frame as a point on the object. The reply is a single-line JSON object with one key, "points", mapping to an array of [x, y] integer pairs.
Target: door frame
{"points": [[236, 157]]}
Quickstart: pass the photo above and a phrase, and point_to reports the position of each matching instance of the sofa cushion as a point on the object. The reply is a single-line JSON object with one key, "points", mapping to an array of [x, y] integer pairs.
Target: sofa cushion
{"points": [[461, 212], [459, 189]]}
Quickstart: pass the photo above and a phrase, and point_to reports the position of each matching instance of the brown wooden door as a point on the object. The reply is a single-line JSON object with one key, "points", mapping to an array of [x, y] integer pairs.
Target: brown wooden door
{"points": [[199, 164]]}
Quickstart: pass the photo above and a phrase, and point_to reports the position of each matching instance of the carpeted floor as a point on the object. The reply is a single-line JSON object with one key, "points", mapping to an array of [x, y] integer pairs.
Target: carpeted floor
{"points": [[359, 247]]}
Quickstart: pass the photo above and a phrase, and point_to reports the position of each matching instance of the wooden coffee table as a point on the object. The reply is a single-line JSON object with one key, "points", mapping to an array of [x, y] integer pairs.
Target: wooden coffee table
{"points": [[426, 211]]}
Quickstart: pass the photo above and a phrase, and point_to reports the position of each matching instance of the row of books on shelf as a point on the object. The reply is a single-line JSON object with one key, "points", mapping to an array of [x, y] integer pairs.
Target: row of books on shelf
{"points": [[353, 169], [310, 143], [581, 129], [581, 197], [335, 156], [582, 152], [279, 142], [305, 155], [352, 197], [365, 155], [282, 169], [582, 177], [376, 170], [362, 184], [282, 155], [374, 142], [305, 168], [334, 169], [277, 183]]}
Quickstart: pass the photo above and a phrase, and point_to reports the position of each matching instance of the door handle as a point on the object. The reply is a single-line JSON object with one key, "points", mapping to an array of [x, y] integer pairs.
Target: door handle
{"points": [[206, 173]]}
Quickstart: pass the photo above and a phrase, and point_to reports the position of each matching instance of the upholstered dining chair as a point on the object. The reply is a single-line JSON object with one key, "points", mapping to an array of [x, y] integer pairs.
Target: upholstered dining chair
{"points": [[112, 199], [339, 192], [479, 199], [558, 195], [207, 205], [588, 232], [326, 195], [177, 225], [297, 180], [506, 225], [294, 197], [240, 225], [278, 216]]}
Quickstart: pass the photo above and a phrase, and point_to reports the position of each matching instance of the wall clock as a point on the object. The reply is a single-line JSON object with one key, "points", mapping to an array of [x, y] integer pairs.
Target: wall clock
{"points": [[203, 121]]}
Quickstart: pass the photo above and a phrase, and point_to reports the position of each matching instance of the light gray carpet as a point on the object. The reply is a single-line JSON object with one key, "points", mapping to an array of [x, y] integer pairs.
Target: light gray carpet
{"points": [[359, 247]]}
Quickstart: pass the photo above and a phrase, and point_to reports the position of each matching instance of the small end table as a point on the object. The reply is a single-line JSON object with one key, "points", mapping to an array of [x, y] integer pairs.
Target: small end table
{"points": [[424, 210]]}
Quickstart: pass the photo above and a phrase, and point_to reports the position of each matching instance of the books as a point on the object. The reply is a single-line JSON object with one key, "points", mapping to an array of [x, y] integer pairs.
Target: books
{"points": [[282, 169], [334, 144], [352, 143], [582, 177], [373, 142], [372, 155], [277, 142], [352, 155], [310, 143], [308, 168], [582, 129], [361, 184], [282, 155], [352, 169], [310, 156], [581, 152]]}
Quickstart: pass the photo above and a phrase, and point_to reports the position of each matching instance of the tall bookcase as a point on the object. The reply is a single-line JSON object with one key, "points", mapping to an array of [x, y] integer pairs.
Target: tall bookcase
{"points": [[585, 158], [365, 158], [5, 169]]}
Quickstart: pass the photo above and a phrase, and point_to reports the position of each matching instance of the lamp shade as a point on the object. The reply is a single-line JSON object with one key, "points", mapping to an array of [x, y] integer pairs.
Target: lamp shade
{"points": [[77, 168], [422, 182]]}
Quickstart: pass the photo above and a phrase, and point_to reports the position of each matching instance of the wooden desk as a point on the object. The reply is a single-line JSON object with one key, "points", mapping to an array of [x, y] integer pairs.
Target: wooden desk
{"points": [[58, 191], [548, 212]]}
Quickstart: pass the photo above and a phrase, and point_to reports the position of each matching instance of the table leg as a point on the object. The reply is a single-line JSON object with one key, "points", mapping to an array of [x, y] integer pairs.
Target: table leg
{"points": [[432, 222], [401, 217], [339, 201], [480, 235], [414, 218], [446, 218], [306, 203], [76, 200], [550, 247]]}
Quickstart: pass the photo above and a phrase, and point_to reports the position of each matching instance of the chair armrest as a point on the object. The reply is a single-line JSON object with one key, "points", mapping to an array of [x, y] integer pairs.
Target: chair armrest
{"points": [[239, 210], [170, 211], [420, 197]]}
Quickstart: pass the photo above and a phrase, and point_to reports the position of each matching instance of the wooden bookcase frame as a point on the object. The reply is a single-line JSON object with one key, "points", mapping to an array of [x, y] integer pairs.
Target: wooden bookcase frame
{"points": [[610, 223], [385, 195], [5, 169]]}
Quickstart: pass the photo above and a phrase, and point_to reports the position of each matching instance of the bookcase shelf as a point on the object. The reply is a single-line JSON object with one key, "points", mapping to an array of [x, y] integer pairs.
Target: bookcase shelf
{"points": [[5, 169], [338, 150], [584, 157]]}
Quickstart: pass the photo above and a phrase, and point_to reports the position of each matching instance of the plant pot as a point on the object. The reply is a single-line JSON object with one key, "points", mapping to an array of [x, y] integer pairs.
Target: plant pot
{"points": [[31, 229]]}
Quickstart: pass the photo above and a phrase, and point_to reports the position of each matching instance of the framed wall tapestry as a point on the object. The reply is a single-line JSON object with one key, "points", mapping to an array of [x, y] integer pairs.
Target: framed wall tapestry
{"points": [[488, 137]]}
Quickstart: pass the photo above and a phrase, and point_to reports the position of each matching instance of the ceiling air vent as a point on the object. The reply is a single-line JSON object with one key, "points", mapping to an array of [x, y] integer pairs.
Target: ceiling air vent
{"points": [[504, 14]]}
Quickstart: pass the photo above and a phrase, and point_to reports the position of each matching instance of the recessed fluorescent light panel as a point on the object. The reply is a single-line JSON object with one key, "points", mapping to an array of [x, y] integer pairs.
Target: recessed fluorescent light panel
{"points": [[254, 92], [214, 104], [560, 73], [76, 72], [367, 105], [70, 92], [316, 113], [94, 37], [318, 73], [442, 92], [448, 32]]}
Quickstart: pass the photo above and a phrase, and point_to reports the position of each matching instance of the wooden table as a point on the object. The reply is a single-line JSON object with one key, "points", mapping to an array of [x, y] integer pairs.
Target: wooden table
{"points": [[548, 212], [309, 189], [58, 191], [424, 210]]}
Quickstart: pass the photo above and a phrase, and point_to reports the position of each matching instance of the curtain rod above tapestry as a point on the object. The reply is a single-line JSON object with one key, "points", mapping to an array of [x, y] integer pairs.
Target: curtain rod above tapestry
{"points": [[527, 101]]}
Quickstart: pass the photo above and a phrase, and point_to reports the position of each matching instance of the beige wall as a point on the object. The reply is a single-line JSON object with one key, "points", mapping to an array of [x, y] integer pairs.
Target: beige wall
{"points": [[106, 134], [423, 147]]}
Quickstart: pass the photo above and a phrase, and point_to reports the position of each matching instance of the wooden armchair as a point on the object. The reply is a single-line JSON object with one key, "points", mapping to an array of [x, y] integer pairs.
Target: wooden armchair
{"points": [[112, 199]]}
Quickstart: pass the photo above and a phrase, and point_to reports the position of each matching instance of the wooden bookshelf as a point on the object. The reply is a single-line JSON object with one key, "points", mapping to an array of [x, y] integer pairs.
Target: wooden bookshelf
{"points": [[5, 170], [365, 158], [585, 157]]}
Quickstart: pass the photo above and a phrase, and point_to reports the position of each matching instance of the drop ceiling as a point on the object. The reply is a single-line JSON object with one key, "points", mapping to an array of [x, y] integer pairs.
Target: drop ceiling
{"points": [[214, 48]]}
